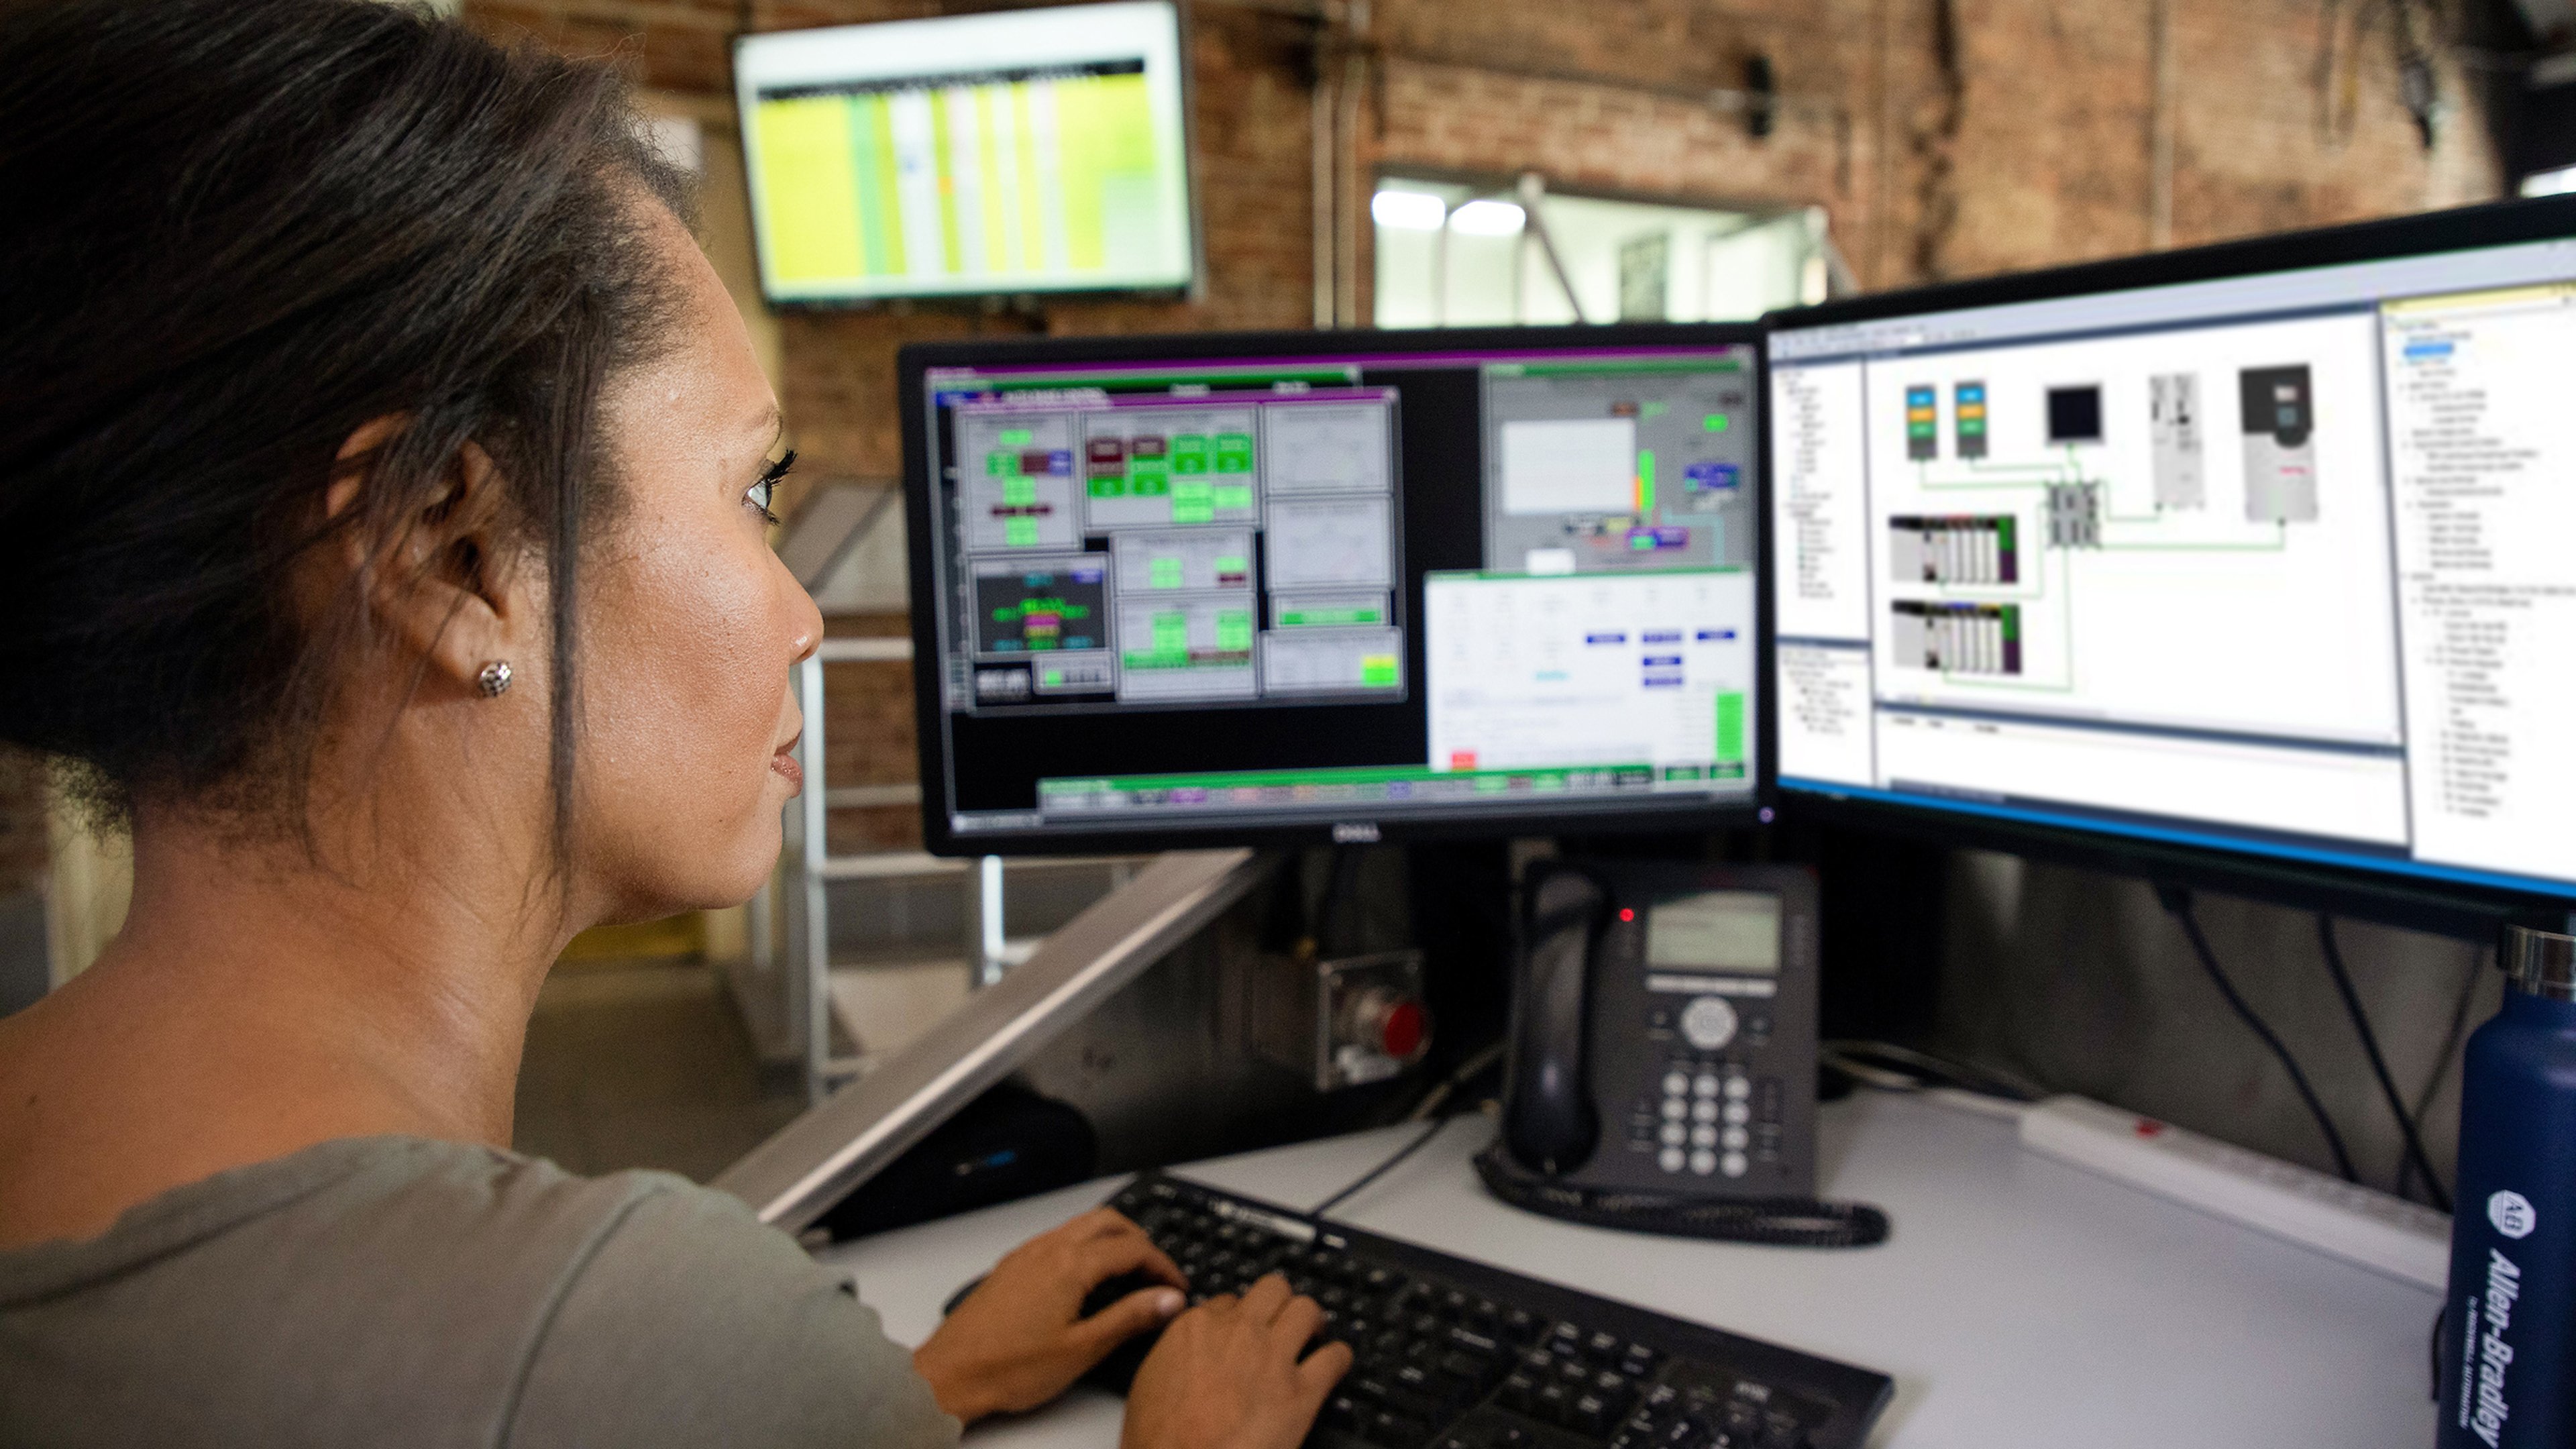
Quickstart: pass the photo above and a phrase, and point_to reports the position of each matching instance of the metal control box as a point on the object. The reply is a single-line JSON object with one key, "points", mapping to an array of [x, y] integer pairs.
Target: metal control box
{"points": [[1341, 1023]]}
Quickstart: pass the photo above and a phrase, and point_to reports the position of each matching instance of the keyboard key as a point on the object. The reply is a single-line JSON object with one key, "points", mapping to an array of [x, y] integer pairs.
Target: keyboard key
{"points": [[1476, 1343], [1475, 1368], [1684, 1433], [1397, 1431]]}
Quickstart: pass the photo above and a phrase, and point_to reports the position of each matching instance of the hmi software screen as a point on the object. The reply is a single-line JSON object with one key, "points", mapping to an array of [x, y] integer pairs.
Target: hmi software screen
{"points": [[1038, 151], [1334, 588], [2273, 562]]}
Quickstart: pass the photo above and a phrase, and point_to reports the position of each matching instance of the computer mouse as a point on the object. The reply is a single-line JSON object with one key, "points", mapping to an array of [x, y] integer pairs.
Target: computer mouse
{"points": [[1115, 1372]]}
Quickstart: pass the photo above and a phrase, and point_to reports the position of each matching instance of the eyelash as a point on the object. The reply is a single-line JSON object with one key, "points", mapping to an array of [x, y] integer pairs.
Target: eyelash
{"points": [[767, 488]]}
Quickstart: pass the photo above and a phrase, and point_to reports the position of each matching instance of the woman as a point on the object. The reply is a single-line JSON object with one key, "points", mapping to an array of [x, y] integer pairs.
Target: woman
{"points": [[383, 485]]}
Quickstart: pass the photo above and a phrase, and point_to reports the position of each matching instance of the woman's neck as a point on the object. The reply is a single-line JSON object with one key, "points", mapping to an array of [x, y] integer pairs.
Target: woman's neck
{"points": [[255, 1005]]}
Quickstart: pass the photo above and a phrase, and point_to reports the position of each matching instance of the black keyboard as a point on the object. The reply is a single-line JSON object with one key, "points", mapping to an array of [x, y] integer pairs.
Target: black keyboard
{"points": [[1454, 1354]]}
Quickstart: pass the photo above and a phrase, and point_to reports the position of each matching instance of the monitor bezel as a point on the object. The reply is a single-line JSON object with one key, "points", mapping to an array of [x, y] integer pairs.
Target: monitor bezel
{"points": [[912, 366], [1189, 286], [2396, 896]]}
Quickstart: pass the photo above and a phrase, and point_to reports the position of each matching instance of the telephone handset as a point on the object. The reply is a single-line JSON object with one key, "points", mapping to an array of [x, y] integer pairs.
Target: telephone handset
{"points": [[1663, 1061]]}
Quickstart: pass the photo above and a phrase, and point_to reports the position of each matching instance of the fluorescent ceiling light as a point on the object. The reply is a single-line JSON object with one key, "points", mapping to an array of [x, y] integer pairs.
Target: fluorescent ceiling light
{"points": [[1408, 211], [1487, 218]]}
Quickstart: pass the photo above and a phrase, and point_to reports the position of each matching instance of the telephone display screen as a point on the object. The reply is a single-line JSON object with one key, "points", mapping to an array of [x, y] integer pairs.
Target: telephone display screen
{"points": [[1716, 930]]}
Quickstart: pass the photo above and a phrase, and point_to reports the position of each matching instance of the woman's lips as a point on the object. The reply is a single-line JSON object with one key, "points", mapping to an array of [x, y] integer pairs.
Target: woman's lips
{"points": [[784, 762]]}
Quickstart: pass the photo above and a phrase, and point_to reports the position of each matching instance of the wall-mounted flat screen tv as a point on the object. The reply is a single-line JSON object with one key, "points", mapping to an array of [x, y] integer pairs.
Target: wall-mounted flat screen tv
{"points": [[1022, 151]]}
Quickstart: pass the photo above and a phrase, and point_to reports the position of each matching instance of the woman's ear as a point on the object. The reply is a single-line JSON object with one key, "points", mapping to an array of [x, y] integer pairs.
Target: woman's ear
{"points": [[438, 572]]}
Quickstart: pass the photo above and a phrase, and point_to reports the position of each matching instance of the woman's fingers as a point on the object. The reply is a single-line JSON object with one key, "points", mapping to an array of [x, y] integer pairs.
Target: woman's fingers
{"points": [[1322, 1369], [1297, 1322], [1144, 1309], [1100, 1222], [1263, 1300], [1105, 1258]]}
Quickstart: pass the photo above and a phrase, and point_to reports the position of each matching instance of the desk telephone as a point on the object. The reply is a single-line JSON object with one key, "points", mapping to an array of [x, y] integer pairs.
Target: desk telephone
{"points": [[1663, 1057]]}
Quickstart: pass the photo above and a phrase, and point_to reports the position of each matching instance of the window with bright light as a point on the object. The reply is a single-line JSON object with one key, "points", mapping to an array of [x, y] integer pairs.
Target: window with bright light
{"points": [[2550, 183], [1454, 255]]}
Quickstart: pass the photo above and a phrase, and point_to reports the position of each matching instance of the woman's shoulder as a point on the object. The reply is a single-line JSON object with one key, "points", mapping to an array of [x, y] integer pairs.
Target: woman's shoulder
{"points": [[384, 1208], [375, 1281]]}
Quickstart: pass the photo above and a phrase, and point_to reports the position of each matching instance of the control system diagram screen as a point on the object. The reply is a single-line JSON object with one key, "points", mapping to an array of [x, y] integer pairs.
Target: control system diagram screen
{"points": [[1339, 588], [2265, 562]]}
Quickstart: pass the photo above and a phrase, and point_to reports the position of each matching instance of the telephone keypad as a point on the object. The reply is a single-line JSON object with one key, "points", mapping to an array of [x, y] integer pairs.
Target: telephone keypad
{"points": [[1696, 1118]]}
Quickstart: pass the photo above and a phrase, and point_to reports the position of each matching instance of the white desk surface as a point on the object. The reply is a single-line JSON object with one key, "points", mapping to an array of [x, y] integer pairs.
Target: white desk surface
{"points": [[2018, 1301]]}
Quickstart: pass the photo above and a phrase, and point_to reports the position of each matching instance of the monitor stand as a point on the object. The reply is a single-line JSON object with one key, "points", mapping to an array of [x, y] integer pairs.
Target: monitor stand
{"points": [[842, 1141]]}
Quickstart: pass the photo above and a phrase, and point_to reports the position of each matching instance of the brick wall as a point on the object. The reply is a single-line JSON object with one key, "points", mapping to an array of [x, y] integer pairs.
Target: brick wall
{"points": [[1943, 138]]}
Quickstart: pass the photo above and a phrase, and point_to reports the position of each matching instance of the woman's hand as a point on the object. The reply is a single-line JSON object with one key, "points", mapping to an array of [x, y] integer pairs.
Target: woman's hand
{"points": [[1226, 1375], [1019, 1339]]}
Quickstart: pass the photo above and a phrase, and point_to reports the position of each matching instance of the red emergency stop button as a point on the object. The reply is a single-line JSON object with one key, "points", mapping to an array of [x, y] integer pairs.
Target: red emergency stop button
{"points": [[1402, 1034]]}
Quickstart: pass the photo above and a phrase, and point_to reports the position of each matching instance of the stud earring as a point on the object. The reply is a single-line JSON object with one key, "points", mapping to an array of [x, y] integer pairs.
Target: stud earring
{"points": [[494, 681]]}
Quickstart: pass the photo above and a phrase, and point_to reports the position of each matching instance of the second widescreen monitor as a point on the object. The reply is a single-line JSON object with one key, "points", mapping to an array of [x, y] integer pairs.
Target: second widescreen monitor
{"points": [[1222, 588]]}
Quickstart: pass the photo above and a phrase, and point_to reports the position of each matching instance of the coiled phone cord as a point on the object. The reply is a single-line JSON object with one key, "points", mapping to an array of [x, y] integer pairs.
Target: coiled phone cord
{"points": [[1779, 1222]]}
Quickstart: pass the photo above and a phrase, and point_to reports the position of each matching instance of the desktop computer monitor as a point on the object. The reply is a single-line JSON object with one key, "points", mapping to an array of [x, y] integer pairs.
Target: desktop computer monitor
{"points": [[1043, 150], [2258, 553], [1334, 586]]}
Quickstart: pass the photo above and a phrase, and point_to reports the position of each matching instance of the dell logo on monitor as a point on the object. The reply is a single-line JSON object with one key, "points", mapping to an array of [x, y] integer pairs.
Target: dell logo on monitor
{"points": [[1356, 832]]}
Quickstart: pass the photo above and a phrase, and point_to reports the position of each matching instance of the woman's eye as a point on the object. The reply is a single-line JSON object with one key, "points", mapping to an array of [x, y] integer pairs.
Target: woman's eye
{"points": [[765, 491]]}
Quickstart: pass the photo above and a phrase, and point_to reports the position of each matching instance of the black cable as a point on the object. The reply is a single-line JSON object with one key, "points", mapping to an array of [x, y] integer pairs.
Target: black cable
{"points": [[1420, 1140], [2378, 1063], [1893, 1067], [2451, 1040], [2177, 901]]}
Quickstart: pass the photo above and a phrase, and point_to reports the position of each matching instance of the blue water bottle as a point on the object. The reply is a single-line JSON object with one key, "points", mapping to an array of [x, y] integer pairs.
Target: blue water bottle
{"points": [[2509, 1325]]}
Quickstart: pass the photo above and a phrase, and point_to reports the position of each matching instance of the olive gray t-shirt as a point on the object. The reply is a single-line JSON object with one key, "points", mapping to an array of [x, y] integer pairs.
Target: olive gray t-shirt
{"points": [[392, 1291]]}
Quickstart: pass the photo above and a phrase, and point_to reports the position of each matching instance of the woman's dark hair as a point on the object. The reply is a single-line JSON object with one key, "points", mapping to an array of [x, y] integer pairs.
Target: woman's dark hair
{"points": [[233, 233]]}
